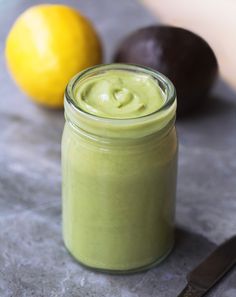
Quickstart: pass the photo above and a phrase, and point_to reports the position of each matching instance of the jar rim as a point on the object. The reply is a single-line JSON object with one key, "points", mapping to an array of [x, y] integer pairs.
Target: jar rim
{"points": [[170, 93]]}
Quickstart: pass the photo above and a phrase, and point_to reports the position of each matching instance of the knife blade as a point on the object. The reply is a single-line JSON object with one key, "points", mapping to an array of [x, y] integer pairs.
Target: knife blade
{"points": [[211, 270]]}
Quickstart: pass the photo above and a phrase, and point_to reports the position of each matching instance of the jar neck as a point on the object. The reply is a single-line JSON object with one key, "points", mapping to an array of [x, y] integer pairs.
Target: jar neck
{"points": [[157, 123], [145, 140]]}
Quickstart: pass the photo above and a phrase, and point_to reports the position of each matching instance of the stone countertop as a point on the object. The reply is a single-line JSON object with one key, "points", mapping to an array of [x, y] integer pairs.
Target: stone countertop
{"points": [[33, 260]]}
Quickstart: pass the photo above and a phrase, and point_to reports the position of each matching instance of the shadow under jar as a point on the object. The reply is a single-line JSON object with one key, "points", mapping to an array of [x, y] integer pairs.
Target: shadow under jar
{"points": [[119, 180]]}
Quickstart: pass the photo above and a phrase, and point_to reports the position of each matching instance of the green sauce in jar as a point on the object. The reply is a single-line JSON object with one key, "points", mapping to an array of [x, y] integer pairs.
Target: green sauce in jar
{"points": [[119, 94], [119, 162]]}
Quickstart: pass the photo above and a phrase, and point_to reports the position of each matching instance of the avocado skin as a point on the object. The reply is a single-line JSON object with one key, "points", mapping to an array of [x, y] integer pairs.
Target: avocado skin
{"points": [[184, 57]]}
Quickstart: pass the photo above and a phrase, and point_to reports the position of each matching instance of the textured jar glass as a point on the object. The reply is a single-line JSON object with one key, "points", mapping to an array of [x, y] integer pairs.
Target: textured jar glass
{"points": [[119, 181]]}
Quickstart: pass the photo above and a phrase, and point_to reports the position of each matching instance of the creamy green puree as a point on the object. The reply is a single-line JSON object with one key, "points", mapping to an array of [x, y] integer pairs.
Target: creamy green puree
{"points": [[120, 94], [118, 194]]}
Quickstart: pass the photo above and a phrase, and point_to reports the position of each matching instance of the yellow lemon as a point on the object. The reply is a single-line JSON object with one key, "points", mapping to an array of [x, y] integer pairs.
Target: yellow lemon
{"points": [[46, 46]]}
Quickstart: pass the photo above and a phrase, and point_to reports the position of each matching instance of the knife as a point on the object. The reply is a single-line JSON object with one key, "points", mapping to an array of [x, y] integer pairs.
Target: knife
{"points": [[211, 270]]}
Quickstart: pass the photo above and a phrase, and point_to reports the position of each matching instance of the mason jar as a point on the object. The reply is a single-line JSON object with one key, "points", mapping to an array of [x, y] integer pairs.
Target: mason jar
{"points": [[119, 181]]}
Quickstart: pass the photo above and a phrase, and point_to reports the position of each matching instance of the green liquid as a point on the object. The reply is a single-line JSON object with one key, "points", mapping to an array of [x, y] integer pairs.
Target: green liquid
{"points": [[119, 194]]}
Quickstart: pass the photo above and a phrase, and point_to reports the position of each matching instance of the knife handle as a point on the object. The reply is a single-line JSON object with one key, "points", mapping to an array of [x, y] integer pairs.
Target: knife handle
{"points": [[211, 270], [215, 266], [190, 291]]}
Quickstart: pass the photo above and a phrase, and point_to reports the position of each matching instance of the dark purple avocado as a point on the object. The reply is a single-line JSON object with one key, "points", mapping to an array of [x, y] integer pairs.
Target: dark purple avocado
{"points": [[184, 57]]}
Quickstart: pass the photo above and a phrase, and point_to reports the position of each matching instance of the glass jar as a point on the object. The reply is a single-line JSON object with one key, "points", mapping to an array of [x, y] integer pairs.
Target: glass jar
{"points": [[119, 181]]}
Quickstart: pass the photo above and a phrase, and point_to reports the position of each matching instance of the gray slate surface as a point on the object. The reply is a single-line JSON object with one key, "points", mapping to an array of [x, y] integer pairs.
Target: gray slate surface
{"points": [[33, 260]]}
